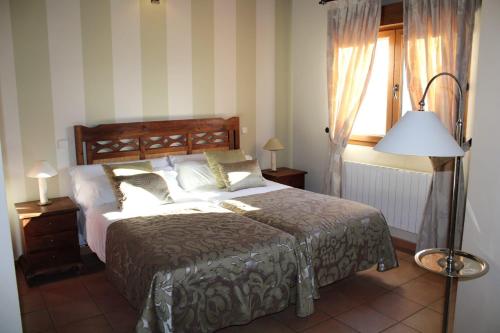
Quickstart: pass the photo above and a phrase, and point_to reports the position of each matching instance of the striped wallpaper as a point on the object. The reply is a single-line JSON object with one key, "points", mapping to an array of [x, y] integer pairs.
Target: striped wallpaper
{"points": [[67, 62]]}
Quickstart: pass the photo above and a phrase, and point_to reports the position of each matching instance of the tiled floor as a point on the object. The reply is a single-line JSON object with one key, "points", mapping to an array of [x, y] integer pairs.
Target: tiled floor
{"points": [[406, 299]]}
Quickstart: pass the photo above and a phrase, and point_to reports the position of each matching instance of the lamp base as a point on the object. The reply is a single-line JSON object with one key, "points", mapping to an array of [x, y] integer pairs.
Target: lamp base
{"points": [[464, 265], [45, 203]]}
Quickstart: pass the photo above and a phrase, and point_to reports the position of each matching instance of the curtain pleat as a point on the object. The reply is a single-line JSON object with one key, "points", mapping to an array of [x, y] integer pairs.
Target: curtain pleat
{"points": [[352, 36], [438, 38]]}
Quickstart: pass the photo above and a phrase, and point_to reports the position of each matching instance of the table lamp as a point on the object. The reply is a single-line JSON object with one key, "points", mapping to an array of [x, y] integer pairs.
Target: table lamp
{"points": [[273, 145], [421, 133], [42, 170]]}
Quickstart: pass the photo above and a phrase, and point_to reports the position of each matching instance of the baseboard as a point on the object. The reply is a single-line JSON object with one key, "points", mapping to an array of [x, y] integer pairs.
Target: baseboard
{"points": [[404, 245]]}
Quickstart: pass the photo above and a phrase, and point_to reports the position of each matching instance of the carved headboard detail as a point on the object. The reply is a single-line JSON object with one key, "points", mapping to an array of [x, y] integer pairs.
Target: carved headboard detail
{"points": [[141, 140]]}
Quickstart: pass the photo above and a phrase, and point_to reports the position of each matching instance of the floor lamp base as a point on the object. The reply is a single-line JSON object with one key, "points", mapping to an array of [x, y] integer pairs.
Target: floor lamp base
{"points": [[464, 265]]}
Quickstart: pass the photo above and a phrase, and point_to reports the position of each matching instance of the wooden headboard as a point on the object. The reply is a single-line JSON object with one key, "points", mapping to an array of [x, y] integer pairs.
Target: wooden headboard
{"points": [[141, 140]]}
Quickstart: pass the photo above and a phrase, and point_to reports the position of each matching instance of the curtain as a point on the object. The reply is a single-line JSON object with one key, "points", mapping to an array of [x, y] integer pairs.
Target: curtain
{"points": [[352, 35], [438, 38]]}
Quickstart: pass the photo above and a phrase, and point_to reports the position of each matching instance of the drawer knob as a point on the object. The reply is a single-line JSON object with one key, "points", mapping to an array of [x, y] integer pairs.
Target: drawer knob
{"points": [[53, 257], [52, 240]]}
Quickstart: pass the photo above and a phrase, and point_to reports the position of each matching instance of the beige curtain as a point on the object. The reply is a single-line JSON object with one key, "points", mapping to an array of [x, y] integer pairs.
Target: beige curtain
{"points": [[352, 35], [438, 38]]}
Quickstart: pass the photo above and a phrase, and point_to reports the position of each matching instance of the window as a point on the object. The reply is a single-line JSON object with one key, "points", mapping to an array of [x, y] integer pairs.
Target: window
{"points": [[382, 104]]}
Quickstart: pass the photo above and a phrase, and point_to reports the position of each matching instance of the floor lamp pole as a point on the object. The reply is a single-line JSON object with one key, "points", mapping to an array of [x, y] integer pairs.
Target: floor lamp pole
{"points": [[449, 262]]}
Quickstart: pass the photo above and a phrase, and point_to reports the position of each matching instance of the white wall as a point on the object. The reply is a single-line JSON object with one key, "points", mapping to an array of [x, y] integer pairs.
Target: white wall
{"points": [[10, 317], [478, 301], [309, 101]]}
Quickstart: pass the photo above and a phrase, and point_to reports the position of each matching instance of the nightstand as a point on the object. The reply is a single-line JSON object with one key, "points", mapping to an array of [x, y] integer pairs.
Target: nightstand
{"points": [[286, 176], [50, 237]]}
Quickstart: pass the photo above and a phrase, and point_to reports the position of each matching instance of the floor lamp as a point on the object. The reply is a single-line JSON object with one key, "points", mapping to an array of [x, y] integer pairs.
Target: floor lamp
{"points": [[421, 133]]}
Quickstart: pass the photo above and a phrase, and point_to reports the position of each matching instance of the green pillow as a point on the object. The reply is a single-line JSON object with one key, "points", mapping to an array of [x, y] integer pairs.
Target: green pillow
{"points": [[125, 169], [240, 175], [226, 156], [141, 190]]}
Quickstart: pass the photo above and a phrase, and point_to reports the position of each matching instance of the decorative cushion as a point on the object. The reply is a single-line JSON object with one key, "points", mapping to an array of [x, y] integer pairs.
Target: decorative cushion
{"points": [[141, 190], [227, 156], [124, 169], [175, 159], [194, 174], [240, 175]]}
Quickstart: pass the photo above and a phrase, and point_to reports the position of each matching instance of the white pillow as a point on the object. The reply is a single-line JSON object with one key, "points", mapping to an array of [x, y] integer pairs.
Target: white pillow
{"points": [[91, 187], [192, 175], [174, 159]]}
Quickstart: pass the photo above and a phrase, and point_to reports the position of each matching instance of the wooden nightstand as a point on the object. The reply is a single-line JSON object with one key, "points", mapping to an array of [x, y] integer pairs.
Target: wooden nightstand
{"points": [[286, 176], [50, 237]]}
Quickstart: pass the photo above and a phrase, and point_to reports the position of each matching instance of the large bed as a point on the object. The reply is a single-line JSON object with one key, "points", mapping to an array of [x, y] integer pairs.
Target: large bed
{"points": [[215, 258]]}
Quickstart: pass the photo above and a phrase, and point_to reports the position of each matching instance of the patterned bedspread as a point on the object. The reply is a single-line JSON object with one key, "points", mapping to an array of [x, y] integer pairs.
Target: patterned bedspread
{"points": [[338, 237], [195, 271]]}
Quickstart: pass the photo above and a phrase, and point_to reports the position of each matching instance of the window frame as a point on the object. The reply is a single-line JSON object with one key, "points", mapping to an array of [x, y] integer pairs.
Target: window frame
{"points": [[393, 112]]}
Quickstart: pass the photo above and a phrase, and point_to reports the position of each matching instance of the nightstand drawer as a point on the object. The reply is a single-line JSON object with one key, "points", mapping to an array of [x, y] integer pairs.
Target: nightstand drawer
{"points": [[49, 259], [45, 225], [66, 239]]}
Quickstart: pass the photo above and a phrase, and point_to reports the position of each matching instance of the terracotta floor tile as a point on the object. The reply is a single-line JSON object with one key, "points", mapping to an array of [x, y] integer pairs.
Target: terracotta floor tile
{"points": [[335, 303], [95, 325], [329, 326], [434, 277], [290, 319], [101, 287], [404, 256], [362, 289], [421, 291], [109, 303], [38, 321], [92, 278], [61, 294], [265, 324], [426, 320], [73, 312], [364, 319], [395, 306], [123, 320], [400, 328], [437, 306], [395, 277], [31, 301], [73, 282]]}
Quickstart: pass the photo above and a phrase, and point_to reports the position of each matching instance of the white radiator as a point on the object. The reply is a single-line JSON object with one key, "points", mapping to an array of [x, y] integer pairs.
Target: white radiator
{"points": [[399, 194]]}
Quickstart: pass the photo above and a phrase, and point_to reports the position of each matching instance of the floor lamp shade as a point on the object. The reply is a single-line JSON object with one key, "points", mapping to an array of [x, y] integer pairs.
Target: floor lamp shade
{"points": [[419, 133]]}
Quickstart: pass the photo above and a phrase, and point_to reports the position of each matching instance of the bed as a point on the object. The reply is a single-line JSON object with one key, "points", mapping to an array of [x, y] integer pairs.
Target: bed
{"points": [[191, 266], [337, 237], [331, 238]]}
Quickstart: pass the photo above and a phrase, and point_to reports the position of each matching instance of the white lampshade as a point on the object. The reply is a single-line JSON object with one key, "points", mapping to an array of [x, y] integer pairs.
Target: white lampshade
{"points": [[273, 144], [419, 133], [41, 169]]}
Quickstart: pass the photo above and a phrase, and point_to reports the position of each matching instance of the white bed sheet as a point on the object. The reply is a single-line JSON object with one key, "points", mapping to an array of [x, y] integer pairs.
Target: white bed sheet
{"points": [[98, 219], [214, 194]]}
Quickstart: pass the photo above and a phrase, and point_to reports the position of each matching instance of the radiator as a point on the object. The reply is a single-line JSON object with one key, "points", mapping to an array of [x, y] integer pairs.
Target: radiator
{"points": [[399, 194]]}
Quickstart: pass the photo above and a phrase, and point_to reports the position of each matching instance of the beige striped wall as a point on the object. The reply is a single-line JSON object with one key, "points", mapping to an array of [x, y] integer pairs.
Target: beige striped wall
{"points": [[67, 62]]}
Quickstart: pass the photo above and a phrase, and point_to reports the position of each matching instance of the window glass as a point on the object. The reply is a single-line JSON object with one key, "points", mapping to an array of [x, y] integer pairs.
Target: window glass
{"points": [[372, 115]]}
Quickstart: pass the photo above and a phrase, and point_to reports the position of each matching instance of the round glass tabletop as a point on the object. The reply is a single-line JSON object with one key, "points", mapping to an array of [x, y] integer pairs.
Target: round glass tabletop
{"points": [[464, 265]]}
